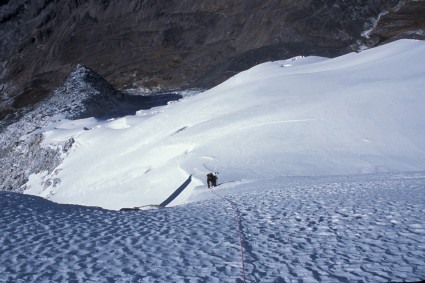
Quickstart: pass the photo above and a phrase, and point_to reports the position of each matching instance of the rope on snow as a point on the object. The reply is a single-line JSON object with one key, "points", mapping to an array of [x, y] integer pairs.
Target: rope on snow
{"points": [[238, 225]]}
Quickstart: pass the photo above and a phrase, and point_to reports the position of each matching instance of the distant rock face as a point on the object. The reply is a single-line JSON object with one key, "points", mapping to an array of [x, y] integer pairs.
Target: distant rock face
{"points": [[405, 20], [176, 43], [84, 94]]}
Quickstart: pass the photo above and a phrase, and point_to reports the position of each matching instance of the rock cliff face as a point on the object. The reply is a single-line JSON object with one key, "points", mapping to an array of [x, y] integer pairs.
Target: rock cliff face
{"points": [[177, 43]]}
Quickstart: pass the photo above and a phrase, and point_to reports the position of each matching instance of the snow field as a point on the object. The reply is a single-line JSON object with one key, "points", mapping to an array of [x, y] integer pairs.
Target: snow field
{"points": [[366, 228], [355, 114]]}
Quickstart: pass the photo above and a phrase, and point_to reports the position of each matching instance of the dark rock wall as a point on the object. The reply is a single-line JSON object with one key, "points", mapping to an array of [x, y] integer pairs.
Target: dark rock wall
{"points": [[168, 43], [406, 20]]}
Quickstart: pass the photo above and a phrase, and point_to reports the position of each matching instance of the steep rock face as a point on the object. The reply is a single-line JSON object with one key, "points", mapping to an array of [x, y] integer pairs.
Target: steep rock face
{"points": [[166, 44]]}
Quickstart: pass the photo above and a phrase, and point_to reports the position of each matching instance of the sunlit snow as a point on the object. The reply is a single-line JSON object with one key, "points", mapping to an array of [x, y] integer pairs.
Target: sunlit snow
{"points": [[306, 116]]}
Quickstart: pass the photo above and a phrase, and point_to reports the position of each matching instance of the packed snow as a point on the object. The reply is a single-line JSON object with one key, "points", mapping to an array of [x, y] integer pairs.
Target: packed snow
{"points": [[364, 228], [321, 171]]}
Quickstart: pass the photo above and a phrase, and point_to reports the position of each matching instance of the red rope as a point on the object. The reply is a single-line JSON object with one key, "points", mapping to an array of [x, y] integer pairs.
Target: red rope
{"points": [[238, 224]]}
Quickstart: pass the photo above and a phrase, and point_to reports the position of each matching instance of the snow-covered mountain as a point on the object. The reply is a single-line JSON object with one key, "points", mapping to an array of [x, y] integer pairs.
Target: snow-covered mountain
{"points": [[355, 114], [272, 132]]}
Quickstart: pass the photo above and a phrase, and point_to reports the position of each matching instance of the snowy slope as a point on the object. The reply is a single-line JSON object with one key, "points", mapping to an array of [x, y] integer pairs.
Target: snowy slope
{"points": [[363, 228], [359, 113]]}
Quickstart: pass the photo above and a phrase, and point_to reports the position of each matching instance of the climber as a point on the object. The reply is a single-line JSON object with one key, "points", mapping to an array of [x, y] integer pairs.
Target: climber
{"points": [[211, 180]]}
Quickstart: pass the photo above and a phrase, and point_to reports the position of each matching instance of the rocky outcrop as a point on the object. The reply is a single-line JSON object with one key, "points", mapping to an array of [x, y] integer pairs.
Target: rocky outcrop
{"points": [[168, 44], [84, 94]]}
